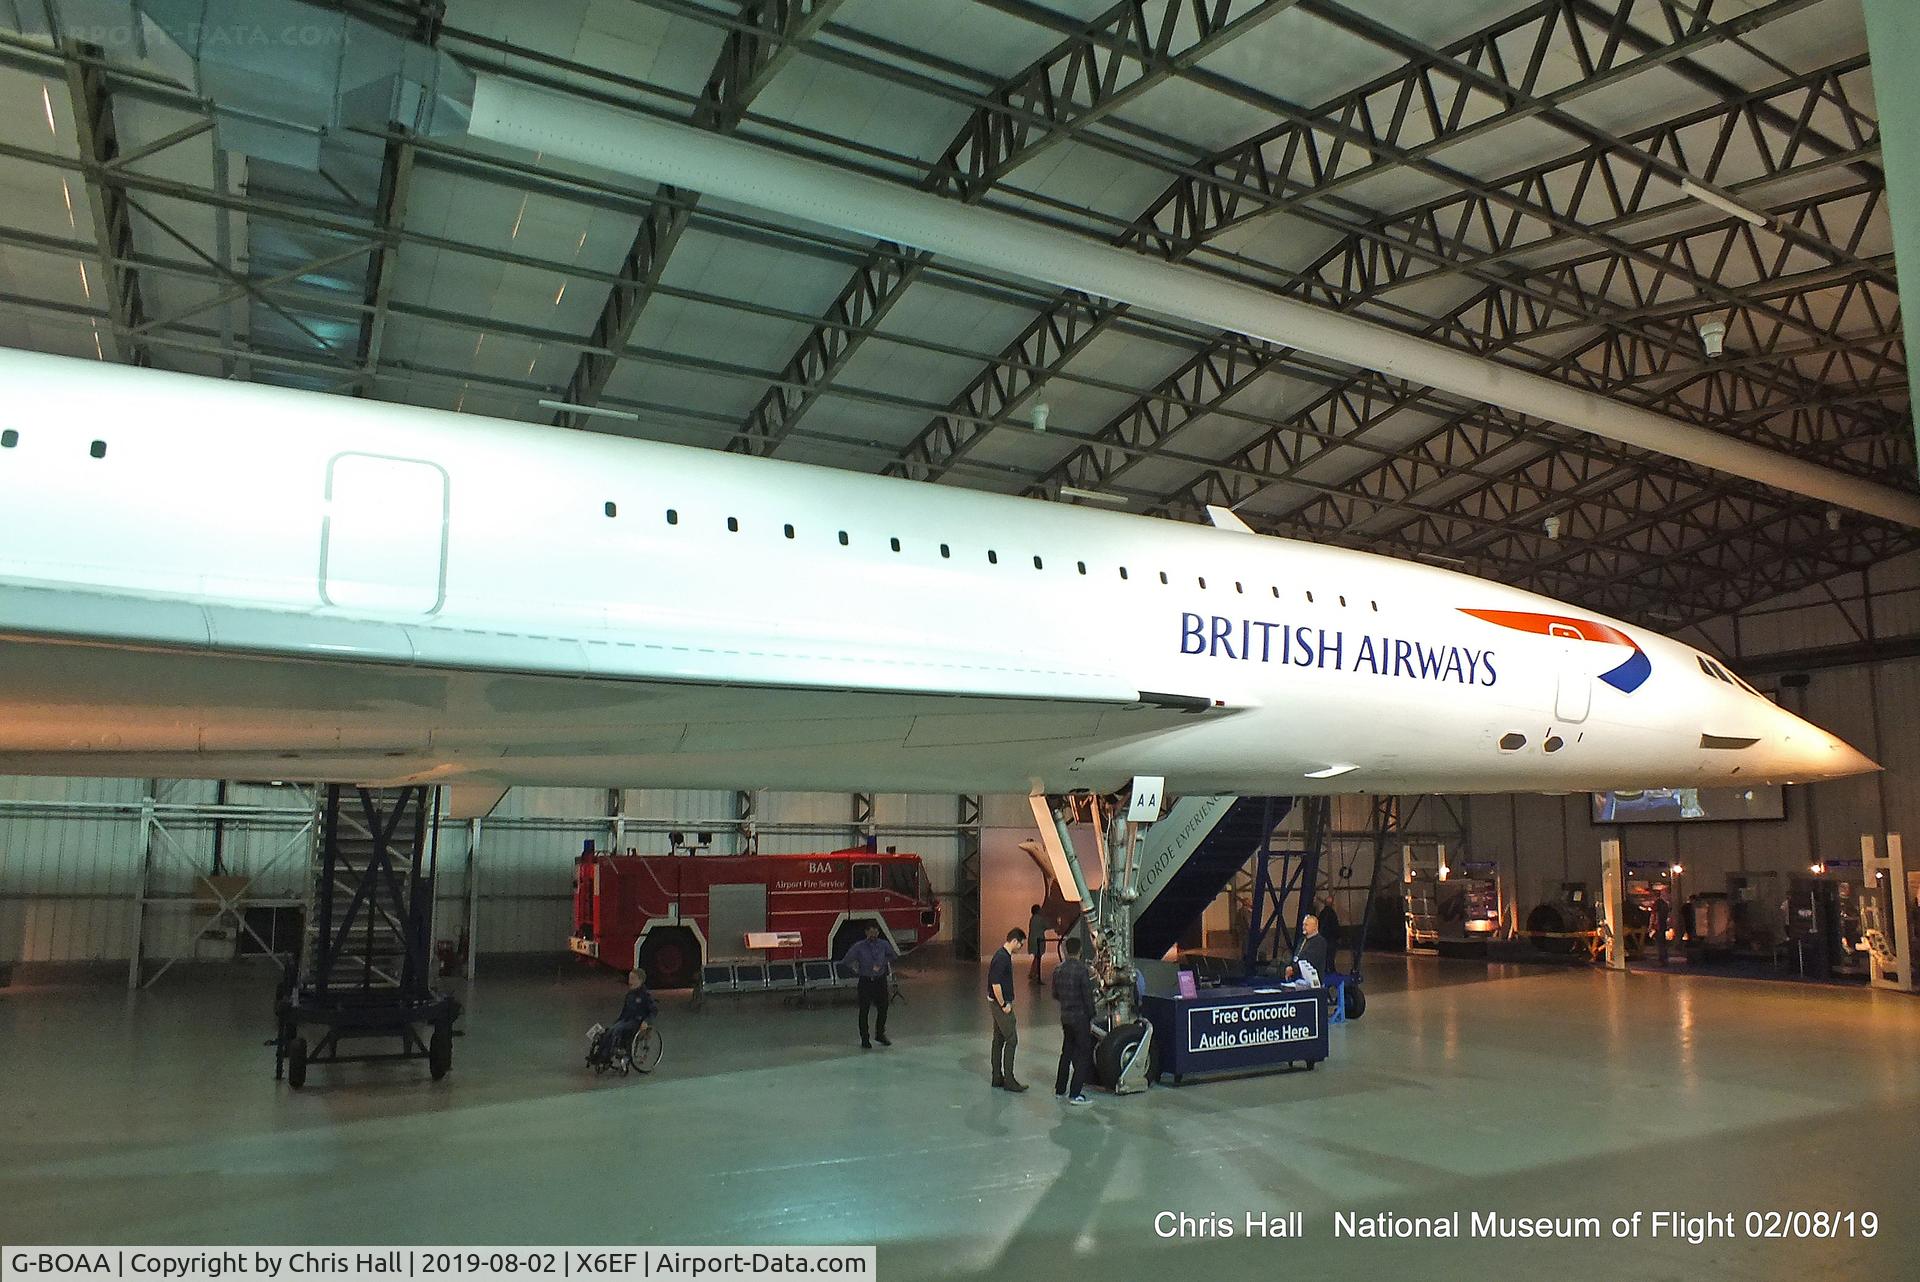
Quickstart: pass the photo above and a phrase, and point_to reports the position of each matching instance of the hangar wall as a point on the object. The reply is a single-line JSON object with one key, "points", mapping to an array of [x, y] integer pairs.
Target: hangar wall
{"points": [[71, 854]]}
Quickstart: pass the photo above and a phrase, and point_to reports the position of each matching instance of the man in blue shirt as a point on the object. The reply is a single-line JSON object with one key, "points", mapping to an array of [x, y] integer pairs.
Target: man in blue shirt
{"points": [[1006, 1031], [871, 959]]}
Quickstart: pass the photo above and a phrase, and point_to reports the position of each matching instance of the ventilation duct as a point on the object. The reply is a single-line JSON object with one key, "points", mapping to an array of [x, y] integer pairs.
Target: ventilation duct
{"points": [[284, 77]]}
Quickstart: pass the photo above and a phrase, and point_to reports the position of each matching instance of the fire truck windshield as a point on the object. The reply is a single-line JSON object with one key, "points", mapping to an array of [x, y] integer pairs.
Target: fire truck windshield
{"points": [[904, 878]]}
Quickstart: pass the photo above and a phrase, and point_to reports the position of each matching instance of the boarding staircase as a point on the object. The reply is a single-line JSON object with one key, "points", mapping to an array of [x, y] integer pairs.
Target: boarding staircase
{"points": [[1190, 856]]}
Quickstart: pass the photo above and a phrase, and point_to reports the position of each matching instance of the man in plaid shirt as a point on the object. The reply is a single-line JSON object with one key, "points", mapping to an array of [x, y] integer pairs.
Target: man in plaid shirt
{"points": [[1073, 989]]}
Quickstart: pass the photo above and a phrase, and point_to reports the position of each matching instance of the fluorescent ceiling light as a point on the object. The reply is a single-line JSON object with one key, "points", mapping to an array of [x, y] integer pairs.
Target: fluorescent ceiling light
{"points": [[1092, 496], [592, 411], [1691, 188], [1333, 771]]}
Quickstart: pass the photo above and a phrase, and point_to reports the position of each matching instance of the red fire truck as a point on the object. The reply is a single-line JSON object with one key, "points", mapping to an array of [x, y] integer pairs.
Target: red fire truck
{"points": [[670, 914]]}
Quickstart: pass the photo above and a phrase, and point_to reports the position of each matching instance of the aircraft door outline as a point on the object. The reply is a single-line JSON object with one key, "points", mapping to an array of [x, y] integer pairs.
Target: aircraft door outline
{"points": [[1573, 684], [383, 534]]}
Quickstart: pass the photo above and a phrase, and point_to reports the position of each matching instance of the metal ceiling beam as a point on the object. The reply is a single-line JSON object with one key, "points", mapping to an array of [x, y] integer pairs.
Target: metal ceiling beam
{"points": [[1673, 169], [1494, 321], [728, 168], [751, 56], [98, 139], [1098, 68], [1416, 110], [1609, 187], [396, 187], [1385, 125]]}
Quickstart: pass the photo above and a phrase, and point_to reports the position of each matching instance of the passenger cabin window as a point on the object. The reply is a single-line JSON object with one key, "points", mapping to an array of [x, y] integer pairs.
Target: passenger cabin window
{"points": [[895, 543], [9, 439], [613, 509], [1202, 580], [1123, 571], [733, 525], [673, 517], [1038, 564], [789, 531], [993, 558], [1163, 576], [945, 552], [98, 449], [866, 876], [1082, 565], [843, 538]]}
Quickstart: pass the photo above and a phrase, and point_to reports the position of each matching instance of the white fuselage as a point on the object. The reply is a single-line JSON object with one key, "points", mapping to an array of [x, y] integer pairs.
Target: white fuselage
{"points": [[254, 582]]}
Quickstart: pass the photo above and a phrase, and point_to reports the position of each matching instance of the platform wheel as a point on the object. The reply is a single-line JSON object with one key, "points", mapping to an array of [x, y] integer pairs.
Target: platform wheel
{"points": [[1356, 999], [645, 1050], [440, 1051], [297, 1063]]}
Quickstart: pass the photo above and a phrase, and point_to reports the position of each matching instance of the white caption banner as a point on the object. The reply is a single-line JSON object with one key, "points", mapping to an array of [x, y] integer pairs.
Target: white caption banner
{"points": [[455, 1263]]}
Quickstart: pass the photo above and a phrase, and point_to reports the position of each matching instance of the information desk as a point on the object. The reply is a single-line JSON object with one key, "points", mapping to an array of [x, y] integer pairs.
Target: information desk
{"points": [[1239, 1030]]}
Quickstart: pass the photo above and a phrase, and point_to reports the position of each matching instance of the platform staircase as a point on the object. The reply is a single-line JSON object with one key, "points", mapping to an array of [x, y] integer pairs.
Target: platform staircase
{"points": [[369, 912], [1191, 855]]}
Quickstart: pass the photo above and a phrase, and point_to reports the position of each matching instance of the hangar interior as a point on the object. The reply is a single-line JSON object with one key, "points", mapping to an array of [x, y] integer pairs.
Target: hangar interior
{"points": [[1681, 206]]}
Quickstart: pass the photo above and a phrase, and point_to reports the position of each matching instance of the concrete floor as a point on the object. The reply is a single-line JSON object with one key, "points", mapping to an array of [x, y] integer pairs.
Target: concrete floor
{"points": [[1546, 1093]]}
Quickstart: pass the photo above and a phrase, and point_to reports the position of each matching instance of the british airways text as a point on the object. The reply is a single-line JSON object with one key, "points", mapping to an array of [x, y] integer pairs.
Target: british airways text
{"points": [[1265, 641]]}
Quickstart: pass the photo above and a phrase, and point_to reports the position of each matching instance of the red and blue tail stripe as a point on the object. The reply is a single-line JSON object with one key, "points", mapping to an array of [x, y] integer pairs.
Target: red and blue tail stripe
{"points": [[1626, 678]]}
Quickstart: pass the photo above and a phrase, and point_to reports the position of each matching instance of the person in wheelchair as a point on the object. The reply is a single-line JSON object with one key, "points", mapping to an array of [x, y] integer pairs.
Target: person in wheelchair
{"points": [[636, 1013]]}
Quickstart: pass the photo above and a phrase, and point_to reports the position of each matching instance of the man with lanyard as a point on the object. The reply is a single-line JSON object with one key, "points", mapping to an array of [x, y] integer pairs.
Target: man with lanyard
{"points": [[871, 959], [1006, 1030], [1309, 965]]}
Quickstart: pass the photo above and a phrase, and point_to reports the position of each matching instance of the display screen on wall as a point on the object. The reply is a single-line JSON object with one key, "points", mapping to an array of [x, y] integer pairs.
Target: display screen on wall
{"points": [[1682, 805]]}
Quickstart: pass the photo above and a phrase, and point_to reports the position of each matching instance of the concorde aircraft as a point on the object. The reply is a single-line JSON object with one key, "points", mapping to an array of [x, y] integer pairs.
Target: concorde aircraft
{"points": [[220, 580]]}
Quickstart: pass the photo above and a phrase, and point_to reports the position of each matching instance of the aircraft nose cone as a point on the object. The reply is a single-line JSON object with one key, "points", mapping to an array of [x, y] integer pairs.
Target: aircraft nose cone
{"points": [[1848, 760]]}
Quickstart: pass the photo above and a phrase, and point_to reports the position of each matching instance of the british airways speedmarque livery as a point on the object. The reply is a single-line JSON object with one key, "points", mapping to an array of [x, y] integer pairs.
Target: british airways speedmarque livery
{"points": [[221, 580]]}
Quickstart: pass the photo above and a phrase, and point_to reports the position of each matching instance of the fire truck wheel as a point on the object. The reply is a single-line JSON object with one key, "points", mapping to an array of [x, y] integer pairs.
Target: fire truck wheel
{"points": [[671, 958]]}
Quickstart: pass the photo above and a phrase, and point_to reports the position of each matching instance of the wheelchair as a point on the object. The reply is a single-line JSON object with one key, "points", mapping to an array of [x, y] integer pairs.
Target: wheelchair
{"points": [[637, 1054]]}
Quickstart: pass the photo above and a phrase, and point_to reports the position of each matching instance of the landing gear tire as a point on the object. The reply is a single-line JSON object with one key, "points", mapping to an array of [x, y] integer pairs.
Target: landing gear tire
{"points": [[1111, 1053], [1356, 999], [297, 1063], [671, 958]]}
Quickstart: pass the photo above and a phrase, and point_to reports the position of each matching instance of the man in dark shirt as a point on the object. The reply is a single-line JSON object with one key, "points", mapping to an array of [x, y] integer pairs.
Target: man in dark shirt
{"points": [[636, 1012], [1006, 1031], [1662, 923], [1073, 989], [871, 959], [1311, 949]]}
